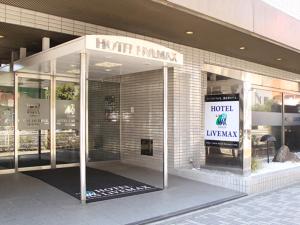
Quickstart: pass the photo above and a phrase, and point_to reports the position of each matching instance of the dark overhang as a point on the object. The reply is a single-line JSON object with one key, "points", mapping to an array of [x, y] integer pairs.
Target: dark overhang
{"points": [[153, 19]]}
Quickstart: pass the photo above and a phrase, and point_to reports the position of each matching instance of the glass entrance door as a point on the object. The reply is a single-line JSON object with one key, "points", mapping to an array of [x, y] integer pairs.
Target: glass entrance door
{"points": [[33, 141], [67, 106], [47, 121]]}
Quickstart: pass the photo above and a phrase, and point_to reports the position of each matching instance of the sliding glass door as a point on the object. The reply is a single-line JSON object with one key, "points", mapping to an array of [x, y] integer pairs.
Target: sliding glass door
{"points": [[67, 108], [47, 122], [7, 152], [33, 121]]}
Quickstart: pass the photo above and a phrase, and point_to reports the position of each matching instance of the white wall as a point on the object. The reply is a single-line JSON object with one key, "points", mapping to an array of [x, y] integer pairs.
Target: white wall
{"points": [[236, 12], [251, 15]]}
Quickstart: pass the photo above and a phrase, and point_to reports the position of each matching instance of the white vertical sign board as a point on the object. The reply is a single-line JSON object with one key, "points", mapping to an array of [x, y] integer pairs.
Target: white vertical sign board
{"points": [[222, 120]]}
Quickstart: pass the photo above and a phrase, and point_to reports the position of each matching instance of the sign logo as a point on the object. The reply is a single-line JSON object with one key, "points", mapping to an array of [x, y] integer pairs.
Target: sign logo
{"points": [[221, 120], [70, 109], [104, 193]]}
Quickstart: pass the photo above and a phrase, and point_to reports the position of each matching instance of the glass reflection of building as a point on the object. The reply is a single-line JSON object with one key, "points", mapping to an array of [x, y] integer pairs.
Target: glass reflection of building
{"points": [[266, 120], [275, 111]]}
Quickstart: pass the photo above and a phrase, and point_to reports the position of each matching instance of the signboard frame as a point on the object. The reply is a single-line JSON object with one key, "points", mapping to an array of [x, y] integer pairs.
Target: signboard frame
{"points": [[233, 104]]}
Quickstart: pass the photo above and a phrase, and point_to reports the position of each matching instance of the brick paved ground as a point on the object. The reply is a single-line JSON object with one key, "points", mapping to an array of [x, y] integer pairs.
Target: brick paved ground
{"points": [[281, 207]]}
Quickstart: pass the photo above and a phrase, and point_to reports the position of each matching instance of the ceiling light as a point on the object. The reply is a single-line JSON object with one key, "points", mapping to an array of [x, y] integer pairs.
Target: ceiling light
{"points": [[73, 65], [107, 70], [242, 48], [108, 64], [189, 32], [279, 59], [1, 36]]}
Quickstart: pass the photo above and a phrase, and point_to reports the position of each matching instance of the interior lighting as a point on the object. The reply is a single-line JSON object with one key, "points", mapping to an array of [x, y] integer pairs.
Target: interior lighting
{"points": [[189, 32], [108, 64]]}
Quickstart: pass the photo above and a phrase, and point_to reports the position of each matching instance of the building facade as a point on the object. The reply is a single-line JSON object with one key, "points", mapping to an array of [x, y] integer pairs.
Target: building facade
{"points": [[267, 105]]}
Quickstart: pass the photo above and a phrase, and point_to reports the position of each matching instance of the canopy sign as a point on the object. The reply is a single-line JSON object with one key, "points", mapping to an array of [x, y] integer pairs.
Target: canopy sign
{"points": [[133, 47], [222, 120]]}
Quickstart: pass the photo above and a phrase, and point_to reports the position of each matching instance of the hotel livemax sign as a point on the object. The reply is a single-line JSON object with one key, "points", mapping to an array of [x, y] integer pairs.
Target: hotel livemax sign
{"points": [[222, 120], [133, 47]]}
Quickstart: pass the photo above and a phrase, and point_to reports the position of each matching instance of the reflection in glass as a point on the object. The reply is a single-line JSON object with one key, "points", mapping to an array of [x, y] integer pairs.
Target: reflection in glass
{"points": [[292, 121], [68, 65], [6, 121], [266, 119], [34, 122], [67, 122], [40, 68]]}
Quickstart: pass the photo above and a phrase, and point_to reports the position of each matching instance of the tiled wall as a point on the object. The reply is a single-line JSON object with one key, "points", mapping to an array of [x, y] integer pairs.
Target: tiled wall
{"points": [[142, 117], [255, 183], [187, 86], [104, 135]]}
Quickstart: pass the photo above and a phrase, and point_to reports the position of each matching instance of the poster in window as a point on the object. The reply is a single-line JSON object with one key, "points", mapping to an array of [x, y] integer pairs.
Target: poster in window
{"points": [[222, 120]]}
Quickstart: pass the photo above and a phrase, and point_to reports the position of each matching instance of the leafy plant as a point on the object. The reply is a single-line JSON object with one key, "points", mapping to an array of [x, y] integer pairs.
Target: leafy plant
{"points": [[255, 164], [67, 91], [266, 107]]}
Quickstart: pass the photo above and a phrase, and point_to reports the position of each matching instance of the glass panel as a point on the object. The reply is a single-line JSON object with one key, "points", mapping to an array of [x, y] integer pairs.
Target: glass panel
{"points": [[40, 68], [104, 121], [6, 121], [67, 122], [68, 65], [292, 121], [219, 156], [34, 122], [125, 120], [266, 120]]}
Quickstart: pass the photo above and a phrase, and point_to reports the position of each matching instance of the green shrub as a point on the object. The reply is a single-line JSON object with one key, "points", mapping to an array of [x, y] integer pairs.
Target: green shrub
{"points": [[255, 164]]}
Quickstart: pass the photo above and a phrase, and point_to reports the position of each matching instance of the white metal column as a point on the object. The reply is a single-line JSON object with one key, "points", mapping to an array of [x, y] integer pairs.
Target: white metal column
{"points": [[16, 122], [86, 110], [247, 123], [83, 67], [53, 114], [165, 71]]}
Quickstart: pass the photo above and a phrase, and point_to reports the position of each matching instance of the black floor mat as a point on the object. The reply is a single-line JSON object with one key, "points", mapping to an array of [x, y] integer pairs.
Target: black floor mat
{"points": [[101, 185]]}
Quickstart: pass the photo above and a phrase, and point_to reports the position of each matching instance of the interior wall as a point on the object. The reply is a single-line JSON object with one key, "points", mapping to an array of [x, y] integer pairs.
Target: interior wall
{"points": [[142, 117], [104, 134]]}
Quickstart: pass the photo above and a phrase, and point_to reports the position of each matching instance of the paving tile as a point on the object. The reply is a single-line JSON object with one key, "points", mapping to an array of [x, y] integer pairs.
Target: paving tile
{"points": [[281, 207]]}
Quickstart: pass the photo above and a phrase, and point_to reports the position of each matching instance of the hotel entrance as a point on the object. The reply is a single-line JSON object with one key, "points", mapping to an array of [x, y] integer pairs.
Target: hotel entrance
{"points": [[90, 116]]}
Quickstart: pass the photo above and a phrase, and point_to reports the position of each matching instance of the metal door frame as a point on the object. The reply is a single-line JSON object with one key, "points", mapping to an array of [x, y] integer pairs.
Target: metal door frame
{"points": [[53, 80]]}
